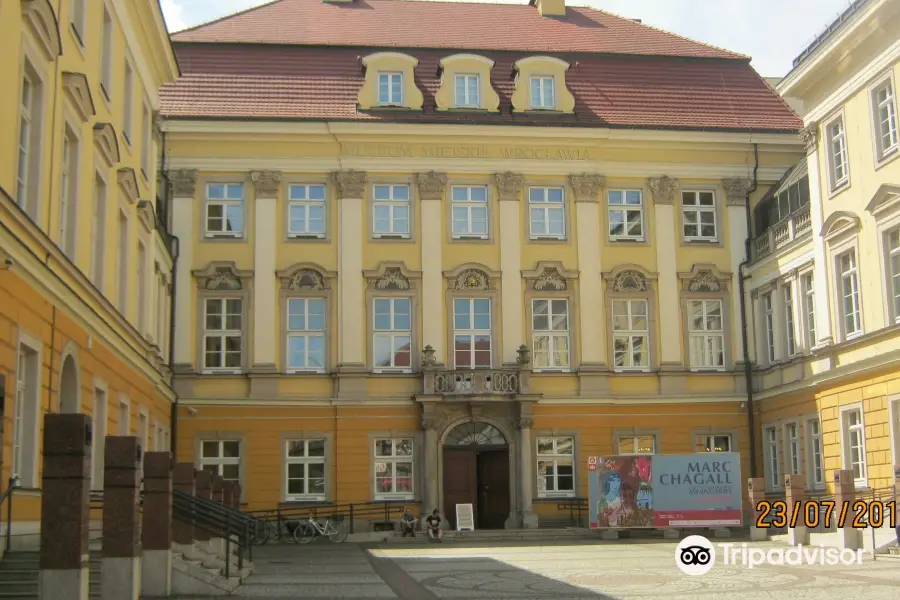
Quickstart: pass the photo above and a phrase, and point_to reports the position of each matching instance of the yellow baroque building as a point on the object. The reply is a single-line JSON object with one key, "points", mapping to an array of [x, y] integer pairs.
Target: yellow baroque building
{"points": [[86, 258], [825, 274], [445, 264]]}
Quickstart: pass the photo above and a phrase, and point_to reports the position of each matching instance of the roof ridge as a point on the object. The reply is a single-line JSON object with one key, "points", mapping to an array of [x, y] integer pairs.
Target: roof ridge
{"points": [[228, 16]]}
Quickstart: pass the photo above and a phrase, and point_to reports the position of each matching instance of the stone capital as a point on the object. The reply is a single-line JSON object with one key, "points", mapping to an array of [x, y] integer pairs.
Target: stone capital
{"points": [[810, 137], [586, 186], [431, 185], [509, 185], [350, 184], [265, 183], [736, 190], [183, 182], [663, 189]]}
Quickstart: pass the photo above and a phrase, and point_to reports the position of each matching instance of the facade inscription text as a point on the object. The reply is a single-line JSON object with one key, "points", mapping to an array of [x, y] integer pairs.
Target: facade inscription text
{"points": [[452, 151]]}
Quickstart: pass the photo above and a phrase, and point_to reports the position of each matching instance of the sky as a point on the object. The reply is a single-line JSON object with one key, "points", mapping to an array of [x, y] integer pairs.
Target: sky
{"points": [[773, 32]]}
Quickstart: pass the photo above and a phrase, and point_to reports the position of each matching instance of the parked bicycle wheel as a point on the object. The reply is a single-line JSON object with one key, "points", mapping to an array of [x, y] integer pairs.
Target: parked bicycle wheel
{"points": [[337, 532], [304, 533], [287, 531], [261, 532]]}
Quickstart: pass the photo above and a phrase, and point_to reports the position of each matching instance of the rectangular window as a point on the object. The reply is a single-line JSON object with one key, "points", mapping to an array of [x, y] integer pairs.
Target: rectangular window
{"points": [[24, 441], [837, 153], [146, 141], [224, 210], [98, 448], [849, 294], [885, 117], [393, 468], [123, 266], [770, 327], [792, 445], [706, 334], [128, 104], [306, 211], [713, 443], [542, 93], [814, 443], [77, 20], [29, 142], [393, 334], [472, 332], [143, 433], [630, 334], [391, 211], [98, 234], [550, 328], [893, 250], [555, 466], [470, 211], [467, 91], [789, 318], [809, 295], [124, 418], [771, 452], [306, 334], [698, 211], [142, 288], [222, 333], [854, 444], [636, 444], [222, 457], [547, 212], [106, 54], [68, 193], [626, 215], [304, 470], [390, 89]]}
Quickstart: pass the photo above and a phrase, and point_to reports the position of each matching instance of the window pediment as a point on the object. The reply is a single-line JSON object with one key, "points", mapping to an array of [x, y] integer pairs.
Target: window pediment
{"points": [[466, 64], [885, 199], [392, 276], [146, 214], [550, 277], [107, 143], [705, 278], [542, 67], [222, 277], [472, 277], [39, 16], [79, 94], [390, 62], [629, 279], [839, 222], [305, 277], [128, 182]]}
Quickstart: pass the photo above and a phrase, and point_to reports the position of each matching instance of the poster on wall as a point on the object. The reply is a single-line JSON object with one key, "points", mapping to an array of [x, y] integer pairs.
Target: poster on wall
{"points": [[677, 490]]}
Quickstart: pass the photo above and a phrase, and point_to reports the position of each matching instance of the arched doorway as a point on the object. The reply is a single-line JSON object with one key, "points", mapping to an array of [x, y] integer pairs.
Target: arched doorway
{"points": [[68, 387], [476, 472]]}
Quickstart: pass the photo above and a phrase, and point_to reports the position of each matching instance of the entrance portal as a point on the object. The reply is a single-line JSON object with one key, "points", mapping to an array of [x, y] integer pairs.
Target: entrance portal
{"points": [[476, 472]]}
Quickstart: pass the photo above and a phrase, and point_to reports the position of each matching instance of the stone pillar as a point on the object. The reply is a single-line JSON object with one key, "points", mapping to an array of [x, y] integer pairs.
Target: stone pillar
{"points": [[351, 188], [509, 187], [590, 285], [228, 494], [756, 493], [217, 544], [844, 496], [265, 304], [431, 195], [184, 479], [157, 526], [184, 183], [664, 191], [736, 191], [204, 490], [526, 470], [236, 495], [121, 573], [430, 424], [65, 514], [810, 137], [794, 496]]}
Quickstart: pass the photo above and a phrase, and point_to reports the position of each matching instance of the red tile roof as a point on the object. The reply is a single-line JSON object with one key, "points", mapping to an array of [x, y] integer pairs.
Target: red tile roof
{"points": [[243, 81], [457, 25]]}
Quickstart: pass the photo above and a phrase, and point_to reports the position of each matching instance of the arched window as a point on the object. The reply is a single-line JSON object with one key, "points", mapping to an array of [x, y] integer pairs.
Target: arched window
{"points": [[475, 434]]}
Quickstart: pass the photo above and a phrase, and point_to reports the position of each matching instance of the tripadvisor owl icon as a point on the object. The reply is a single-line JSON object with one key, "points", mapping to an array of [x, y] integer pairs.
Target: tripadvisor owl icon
{"points": [[695, 555]]}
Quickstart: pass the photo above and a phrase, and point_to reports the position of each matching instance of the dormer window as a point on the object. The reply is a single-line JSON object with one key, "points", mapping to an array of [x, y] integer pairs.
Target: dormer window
{"points": [[467, 91], [542, 96], [390, 89]]}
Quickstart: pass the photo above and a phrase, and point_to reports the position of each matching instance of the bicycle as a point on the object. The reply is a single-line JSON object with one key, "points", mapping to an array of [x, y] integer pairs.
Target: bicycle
{"points": [[267, 528], [334, 529]]}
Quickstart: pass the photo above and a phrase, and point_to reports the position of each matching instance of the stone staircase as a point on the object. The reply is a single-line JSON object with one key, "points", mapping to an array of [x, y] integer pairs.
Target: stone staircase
{"points": [[198, 571], [485, 536], [20, 571]]}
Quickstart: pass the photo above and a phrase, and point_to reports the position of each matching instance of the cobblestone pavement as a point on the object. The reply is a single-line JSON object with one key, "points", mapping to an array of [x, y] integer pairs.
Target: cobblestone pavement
{"points": [[577, 570]]}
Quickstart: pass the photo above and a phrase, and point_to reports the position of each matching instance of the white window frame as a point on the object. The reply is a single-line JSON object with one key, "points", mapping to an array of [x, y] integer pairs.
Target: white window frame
{"points": [[469, 205], [547, 207], [25, 454], [836, 153], [393, 459], [146, 139], [467, 94], [99, 419], [68, 192], [128, 105], [306, 204], [556, 458], [808, 289], [99, 218], [124, 415], [814, 446], [889, 106], [709, 440], [773, 462], [305, 333], [222, 333], [631, 333], [390, 100], [555, 337], [391, 334], [77, 20], [545, 83], [392, 204], [635, 444], [30, 144], [305, 460], [625, 210], [472, 333], [791, 437], [769, 316], [107, 41], [142, 279], [848, 432], [849, 277], [707, 335], [790, 320], [225, 203], [892, 274], [698, 210], [123, 267], [220, 461]]}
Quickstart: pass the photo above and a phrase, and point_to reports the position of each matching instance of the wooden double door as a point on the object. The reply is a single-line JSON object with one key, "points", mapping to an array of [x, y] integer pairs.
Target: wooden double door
{"points": [[480, 477]]}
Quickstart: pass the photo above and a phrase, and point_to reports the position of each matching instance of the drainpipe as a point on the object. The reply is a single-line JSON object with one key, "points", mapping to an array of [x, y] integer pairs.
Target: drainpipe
{"points": [[748, 370], [174, 248]]}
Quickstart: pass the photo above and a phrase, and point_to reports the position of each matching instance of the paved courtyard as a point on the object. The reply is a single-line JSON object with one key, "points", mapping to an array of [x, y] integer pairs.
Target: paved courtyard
{"points": [[626, 570]]}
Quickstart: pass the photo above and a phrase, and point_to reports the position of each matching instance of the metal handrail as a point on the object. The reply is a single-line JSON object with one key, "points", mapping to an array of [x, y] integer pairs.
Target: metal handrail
{"points": [[282, 514], [231, 531], [577, 508], [8, 495]]}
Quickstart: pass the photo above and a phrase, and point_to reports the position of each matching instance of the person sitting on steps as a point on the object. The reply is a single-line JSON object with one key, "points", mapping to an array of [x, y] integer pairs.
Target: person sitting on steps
{"points": [[408, 524], [433, 521]]}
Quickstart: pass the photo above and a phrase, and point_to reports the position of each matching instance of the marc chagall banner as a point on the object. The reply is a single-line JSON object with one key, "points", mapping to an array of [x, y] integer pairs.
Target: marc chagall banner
{"points": [[677, 490]]}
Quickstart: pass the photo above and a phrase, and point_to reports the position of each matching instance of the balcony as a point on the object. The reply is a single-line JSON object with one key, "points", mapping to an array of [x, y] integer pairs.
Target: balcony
{"points": [[791, 228], [509, 381]]}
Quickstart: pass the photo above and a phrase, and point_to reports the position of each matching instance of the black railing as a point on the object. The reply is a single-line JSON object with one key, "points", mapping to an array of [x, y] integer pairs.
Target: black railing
{"points": [[7, 497], [578, 509], [219, 521], [386, 510]]}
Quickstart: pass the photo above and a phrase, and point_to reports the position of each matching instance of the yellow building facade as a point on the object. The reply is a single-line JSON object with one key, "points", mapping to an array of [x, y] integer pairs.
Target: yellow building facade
{"points": [[445, 276], [86, 273], [824, 281]]}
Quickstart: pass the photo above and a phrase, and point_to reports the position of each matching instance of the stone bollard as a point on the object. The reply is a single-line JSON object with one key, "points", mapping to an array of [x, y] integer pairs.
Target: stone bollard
{"points": [[156, 530], [236, 496], [794, 495], [184, 481], [756, 492], [844, 496], [217, 544], [65, 502], [228, 494], [204, 490], [121, 568]]}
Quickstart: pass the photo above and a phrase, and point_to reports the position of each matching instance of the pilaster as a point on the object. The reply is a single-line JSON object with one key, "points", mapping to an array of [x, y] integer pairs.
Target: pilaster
{"points": [[736, 191], [431, 194], [820, 272], [663, 189], [351, 187], [184, 183], [526, 468], [265, 184], [590, 285], [509, 186]]}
